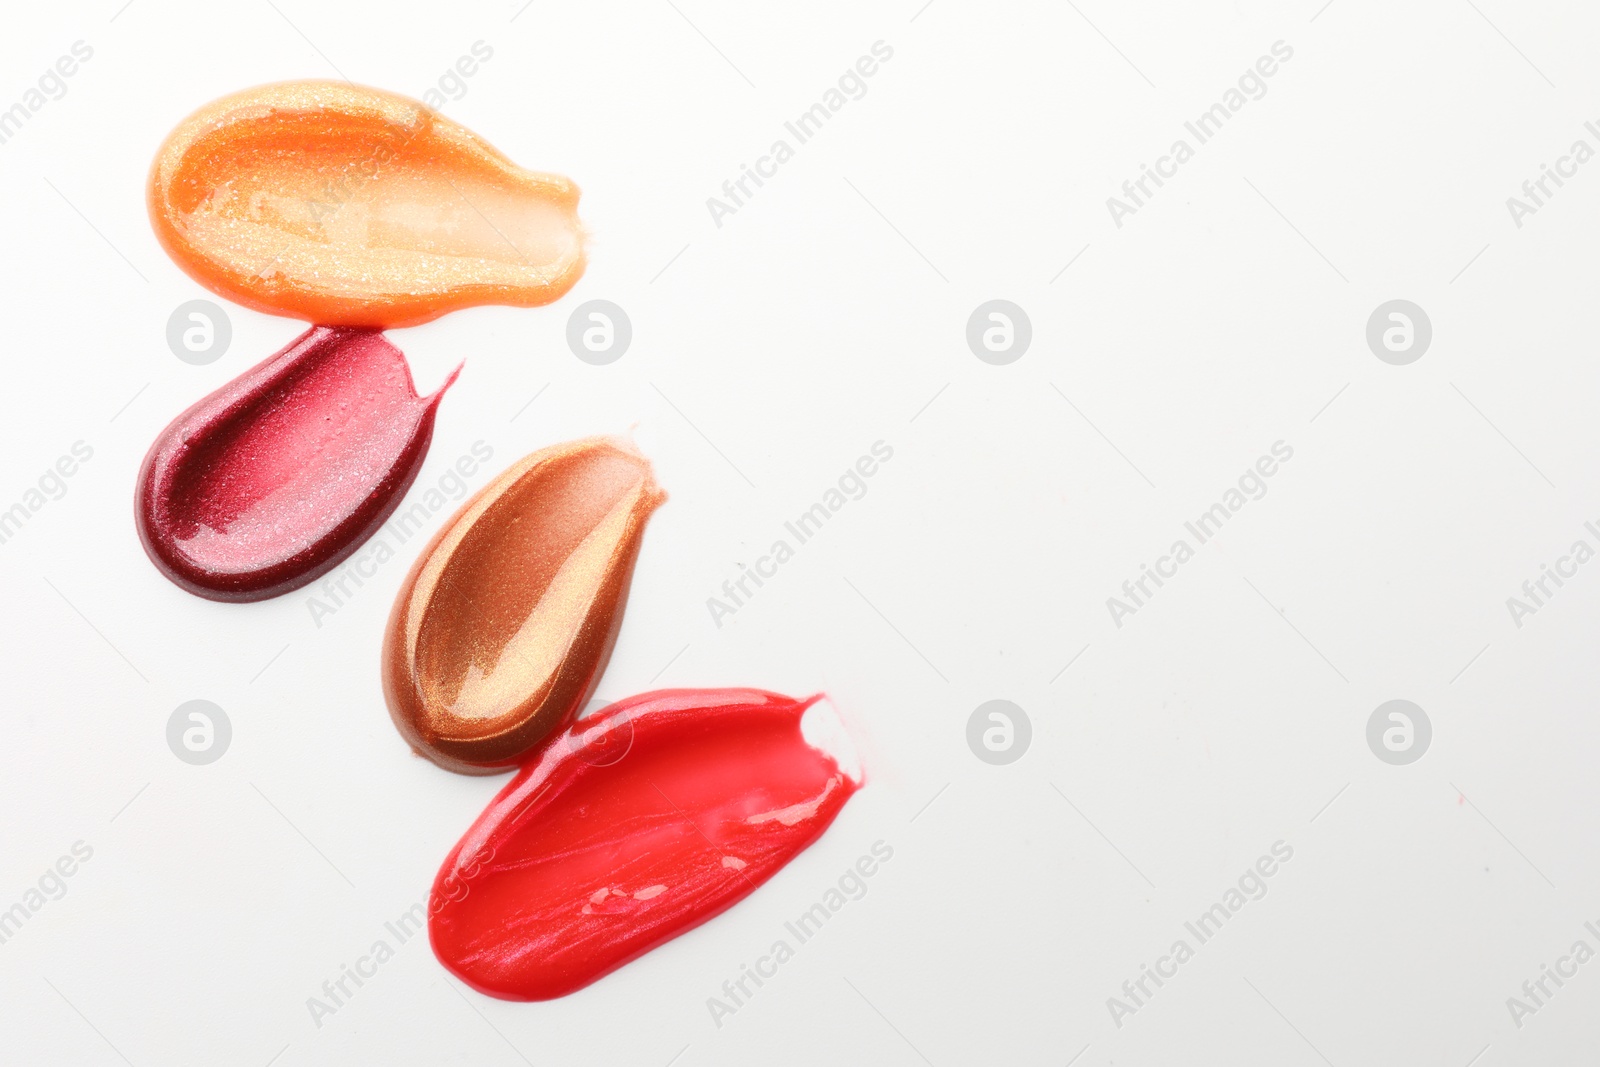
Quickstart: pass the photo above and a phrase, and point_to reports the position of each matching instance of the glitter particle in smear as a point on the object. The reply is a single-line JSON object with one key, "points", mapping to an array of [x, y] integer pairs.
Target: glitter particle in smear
{"points": [[278, 476], [344, 205], [501, 631], [541, 916]]}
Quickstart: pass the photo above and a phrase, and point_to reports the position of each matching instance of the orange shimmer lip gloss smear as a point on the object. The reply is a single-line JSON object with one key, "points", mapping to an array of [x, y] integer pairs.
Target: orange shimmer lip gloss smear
{"points": [[504, 625], [349, 206]]}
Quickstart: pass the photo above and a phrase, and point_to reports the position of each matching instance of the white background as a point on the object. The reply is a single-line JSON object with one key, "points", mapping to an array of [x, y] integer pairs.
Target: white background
{"points": [[768, 354]]}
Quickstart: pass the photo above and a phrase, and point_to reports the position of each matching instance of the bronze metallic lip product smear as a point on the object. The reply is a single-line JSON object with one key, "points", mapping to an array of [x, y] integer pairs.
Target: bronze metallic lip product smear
{"points": [[501, 631]]}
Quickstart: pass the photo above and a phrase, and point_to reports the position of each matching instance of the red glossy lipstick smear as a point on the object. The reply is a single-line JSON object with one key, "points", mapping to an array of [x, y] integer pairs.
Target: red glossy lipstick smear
{"points": [[632, 826], [275, 478]]}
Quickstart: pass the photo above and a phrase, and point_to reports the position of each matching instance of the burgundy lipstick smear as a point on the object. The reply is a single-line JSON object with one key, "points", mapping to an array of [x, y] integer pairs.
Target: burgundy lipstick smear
{"points": [[275, 478], [634, 826], [349, 207]]}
